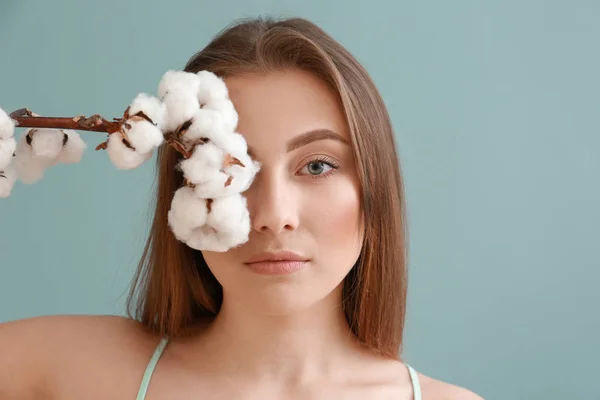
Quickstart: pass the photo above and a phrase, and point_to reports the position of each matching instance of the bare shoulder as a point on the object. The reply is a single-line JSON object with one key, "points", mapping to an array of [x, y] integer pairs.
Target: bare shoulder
{"points": [[63, 332], [63, 323], [434, 389], [66, 355]]}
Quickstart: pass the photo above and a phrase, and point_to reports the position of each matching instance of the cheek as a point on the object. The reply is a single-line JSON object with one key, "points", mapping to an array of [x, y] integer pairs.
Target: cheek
{"points": [[335, 217]]}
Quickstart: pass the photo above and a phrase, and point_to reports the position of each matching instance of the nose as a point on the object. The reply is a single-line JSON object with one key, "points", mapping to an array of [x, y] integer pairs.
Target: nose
{"points": [[272, 203]]}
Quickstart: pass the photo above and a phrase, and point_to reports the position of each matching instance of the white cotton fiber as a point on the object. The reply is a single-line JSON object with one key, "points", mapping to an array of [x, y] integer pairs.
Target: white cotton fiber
{"points": [[211, 88], [214, 187], [188, 212], [7, 125], [206, 238], [8, 177], [227, 226], [229, 214], [233, 143], [154, 109], [206, 123], [122, 156], [7, 149], [30, 171], [73, 150], [219, 170], [242, 177], [231, 180], [204, 164], [209, 124], [226, 108], [215, 173], [30, 168], [181, 107], [237, 237], [143, 136], [46, 143], [178, 81]]}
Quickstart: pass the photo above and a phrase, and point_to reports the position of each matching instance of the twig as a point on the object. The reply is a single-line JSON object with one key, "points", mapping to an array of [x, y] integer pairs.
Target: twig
{"points": [[25, 118]]}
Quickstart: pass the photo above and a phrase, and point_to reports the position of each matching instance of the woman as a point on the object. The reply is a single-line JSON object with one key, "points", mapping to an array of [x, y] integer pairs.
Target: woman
{"points": [[312, 306]]}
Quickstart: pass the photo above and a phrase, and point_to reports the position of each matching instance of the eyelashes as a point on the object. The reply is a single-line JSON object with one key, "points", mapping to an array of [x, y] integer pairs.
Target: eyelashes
{"points": [[320, 161]]}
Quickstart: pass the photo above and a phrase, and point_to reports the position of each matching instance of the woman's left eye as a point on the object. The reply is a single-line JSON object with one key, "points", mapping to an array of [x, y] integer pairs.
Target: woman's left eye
{"points": [[321, 167]]}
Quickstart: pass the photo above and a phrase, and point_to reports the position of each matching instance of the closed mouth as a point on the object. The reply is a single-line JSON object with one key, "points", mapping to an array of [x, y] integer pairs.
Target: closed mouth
{"points": [[275, 257]]}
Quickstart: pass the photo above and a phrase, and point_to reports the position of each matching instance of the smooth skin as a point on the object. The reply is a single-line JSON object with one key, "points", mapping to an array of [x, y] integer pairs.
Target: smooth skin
{"points": [[276, 337]]}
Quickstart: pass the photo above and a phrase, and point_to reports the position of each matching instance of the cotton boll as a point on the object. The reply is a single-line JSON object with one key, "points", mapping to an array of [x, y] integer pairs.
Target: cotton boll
{"points": [[7, 149], [211, 87], [204, 164], [181, 107], [216, 174], [238, 177], [230, 214], [188, 212], [228, 225], [226, 108], [178, 81], [237, 237], [72, 151], [187, 206], [46, 143], [206, 123], [206, 238], [30, 169], [144, 136], [154, 109], [242, 177], [214, 187], [7, 125], [227, 182], [8, 177], [210, 124], [232, 143], [122, 156]]}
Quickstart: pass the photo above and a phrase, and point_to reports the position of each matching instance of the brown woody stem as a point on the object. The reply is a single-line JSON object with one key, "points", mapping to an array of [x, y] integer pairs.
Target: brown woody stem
{"points": [[25, 118]]}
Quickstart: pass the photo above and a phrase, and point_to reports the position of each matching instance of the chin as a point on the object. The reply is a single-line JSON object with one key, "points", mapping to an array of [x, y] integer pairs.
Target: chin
{"points": [[287, 298]]}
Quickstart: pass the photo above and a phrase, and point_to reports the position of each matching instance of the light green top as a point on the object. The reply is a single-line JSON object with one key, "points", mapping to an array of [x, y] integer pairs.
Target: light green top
{"points": [[163, 343]]}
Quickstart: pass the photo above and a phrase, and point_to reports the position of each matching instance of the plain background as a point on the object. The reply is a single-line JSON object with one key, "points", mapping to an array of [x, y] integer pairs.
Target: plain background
{"points": [[497, 111]]}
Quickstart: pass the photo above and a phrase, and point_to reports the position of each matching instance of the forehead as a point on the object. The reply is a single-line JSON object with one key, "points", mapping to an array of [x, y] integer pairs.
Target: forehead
{"points": [[278, 106]]}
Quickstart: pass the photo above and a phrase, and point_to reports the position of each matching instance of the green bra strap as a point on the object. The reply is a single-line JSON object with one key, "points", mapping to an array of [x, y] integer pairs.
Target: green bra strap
{"points": [[150, 369]]}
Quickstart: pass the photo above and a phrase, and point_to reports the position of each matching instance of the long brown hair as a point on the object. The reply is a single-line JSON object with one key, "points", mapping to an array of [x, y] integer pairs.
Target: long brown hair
{"points": [[174, 288]]}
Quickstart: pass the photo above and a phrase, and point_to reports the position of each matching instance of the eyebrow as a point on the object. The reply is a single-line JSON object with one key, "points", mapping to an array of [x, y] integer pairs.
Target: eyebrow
{"points": [[314, 136], [306, 138]]}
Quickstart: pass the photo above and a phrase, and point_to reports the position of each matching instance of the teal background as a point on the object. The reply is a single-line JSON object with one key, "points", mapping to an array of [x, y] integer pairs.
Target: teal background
{"points": [[496, 106]]}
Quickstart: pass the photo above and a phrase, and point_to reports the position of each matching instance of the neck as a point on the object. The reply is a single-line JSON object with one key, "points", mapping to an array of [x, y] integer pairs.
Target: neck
{"points": [[297, 347]]}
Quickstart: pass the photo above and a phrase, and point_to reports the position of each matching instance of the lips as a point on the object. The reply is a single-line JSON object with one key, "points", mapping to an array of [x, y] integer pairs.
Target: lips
{"points": [[277, 263], [274, 257]]}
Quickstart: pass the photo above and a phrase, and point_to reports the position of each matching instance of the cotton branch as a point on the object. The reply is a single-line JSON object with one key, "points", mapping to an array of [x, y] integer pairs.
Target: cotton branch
{"points": [[25, 118], [193, 114]]}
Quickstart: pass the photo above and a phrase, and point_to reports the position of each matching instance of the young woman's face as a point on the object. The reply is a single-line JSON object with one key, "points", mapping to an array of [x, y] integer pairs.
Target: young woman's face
{"points": [[304, 200]]}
